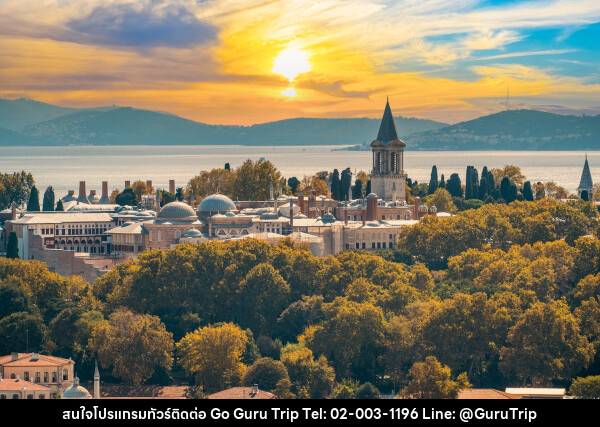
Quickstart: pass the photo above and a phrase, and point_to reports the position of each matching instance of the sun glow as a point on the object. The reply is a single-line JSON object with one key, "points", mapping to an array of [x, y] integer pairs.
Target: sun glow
{"points": [[290, 91], [290, 62]]}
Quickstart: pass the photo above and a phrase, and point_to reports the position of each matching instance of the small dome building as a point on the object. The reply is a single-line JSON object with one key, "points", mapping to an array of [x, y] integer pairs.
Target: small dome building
{"points": [[215, 204], [76, 391], [177, 211]]}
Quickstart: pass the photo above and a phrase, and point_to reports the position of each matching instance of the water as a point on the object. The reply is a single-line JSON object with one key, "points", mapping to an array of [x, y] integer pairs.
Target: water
{"points": [[64, 167]]}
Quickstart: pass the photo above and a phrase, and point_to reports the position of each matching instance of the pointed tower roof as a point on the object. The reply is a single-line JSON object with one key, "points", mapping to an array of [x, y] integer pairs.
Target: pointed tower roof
{"points": [[586, 177], [387, 129]]}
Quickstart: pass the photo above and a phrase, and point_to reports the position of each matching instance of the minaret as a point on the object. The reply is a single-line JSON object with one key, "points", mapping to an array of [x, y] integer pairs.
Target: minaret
{"points": [[586, 185], [96, 382], [271, 191], [157, 202]]}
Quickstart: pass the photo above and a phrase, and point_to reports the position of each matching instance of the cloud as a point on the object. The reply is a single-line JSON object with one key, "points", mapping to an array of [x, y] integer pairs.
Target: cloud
{"points": [[129, 25]]}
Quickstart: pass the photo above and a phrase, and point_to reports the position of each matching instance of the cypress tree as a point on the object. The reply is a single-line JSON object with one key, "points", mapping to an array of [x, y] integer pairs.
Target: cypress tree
{"points": [[482, 194], [491, 183], [454, 186], [527, 192], [368, 189], [12, 249], [433, 181], [335, 185], [59, 206], [469, 183], [512, 193], [357, 190], [48, 203], [505, 188], [34, 200], [442, 182], [474, 183], [345, 183]]}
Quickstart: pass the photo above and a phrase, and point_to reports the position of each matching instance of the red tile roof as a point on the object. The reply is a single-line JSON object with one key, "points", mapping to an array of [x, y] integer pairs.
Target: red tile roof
{"points": [[17, 385], [485, 393], [25, 359], [241, 393]]}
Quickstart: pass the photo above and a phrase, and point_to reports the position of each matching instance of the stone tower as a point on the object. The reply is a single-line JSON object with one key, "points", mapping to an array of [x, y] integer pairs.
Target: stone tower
{"points": [[585, 184], [388, 160]]}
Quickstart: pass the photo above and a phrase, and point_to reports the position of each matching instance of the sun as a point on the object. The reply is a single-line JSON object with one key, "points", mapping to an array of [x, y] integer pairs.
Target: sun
{"points": [[290, 62]]}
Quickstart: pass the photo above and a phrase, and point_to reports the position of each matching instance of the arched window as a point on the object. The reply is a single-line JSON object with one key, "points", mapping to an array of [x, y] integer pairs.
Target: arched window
{"points": [[244, 232], [378, 162], [233, 233], [221, 233], [407, 215], [395, 162]]}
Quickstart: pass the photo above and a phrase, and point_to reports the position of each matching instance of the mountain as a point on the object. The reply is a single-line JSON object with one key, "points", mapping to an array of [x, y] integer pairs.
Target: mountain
{"points": [[18, 113], [130, 126], [514, 130], [11, 138]]}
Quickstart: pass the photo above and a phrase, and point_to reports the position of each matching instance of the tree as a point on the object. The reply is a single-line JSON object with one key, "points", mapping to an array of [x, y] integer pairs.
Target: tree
{"points": [[345, 183], [22, 332], [215, 181], [267, 293], [357, 190], [314, 377], [140, 188], [12, 248], [213, 354], [431, 380], [13, 299], [505, 189], [433, 180], [48, 202], [335, 185], [59, 206], [368, 188], [293, 184], [545, 344], [252, 180], [586, 388], [442, 200], [469, 183], [33, 205], [179, 194], [166, 197], [527, 191], [15, 188], [442, 182], [513, 173], [265, 372], [454, 186], [134, 345], [126, 198], [367, 391]]}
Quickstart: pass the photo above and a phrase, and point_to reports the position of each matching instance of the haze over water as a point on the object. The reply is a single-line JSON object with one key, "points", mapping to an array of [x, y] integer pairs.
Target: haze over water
{"points": [[64, 167]]}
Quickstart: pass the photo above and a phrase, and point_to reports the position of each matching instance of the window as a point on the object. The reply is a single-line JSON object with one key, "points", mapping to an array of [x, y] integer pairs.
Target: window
{"points": [[26, 376], [42, 396], [37, 377], [378, 245], [65, 375], [30, 396], [373, 245], [12, 376], [357, 245], [53, 377], [383, 245], [15, 396], [2, 396], [45, 377], [363, 245]]}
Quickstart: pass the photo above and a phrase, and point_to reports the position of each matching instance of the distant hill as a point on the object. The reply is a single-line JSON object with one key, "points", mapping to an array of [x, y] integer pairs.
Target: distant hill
{"points": [[27, 122], [130, 126], [18, 113], [514, 130]]}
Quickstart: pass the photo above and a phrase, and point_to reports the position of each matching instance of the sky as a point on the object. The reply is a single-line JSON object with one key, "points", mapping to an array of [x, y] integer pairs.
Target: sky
{"points": [[241, 62]]}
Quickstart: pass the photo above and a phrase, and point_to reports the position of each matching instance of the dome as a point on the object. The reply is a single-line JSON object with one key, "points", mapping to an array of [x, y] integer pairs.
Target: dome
{"points": [[372, 195], [76, 391], [216, 203], [328, 217], [229, 214], [285, 210], [192, 233], [177, 211]]}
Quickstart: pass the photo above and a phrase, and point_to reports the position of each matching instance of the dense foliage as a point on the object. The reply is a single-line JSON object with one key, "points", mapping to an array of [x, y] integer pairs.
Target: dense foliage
{"points": [[503, 295]]}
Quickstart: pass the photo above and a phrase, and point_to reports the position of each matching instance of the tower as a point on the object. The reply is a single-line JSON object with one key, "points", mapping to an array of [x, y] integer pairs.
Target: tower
{"points": [[586, 186], [388, 160], [96, 382]]}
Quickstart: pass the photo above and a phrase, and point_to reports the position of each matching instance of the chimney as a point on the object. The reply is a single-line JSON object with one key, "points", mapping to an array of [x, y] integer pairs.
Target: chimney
{"points": [[417, 204], [363, 215], [127, 184], [71, 192], [149, 184], [13, 211], [35, 356], [82, 198], [14, 356], [172, 186], [301, 202], [104, 199], [345, 213], [255, 389], [372, 207], [292, 213]]}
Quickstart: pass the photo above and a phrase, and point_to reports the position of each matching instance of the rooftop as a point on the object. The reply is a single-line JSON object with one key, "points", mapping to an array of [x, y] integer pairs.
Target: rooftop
{"points": [[18, 384], [33, 359], [242, 393]]}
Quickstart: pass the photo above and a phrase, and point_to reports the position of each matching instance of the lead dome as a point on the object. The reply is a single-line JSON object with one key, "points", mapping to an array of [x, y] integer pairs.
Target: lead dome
{"points": [[215, 204], [177, 211]]}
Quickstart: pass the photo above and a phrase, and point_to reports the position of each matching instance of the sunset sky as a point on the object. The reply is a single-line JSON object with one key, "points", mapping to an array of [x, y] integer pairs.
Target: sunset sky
{"points": [[251, 61]]}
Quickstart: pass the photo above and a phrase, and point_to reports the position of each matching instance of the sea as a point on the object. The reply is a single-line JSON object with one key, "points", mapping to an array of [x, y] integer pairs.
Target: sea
{"points": [[63, 167]]}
